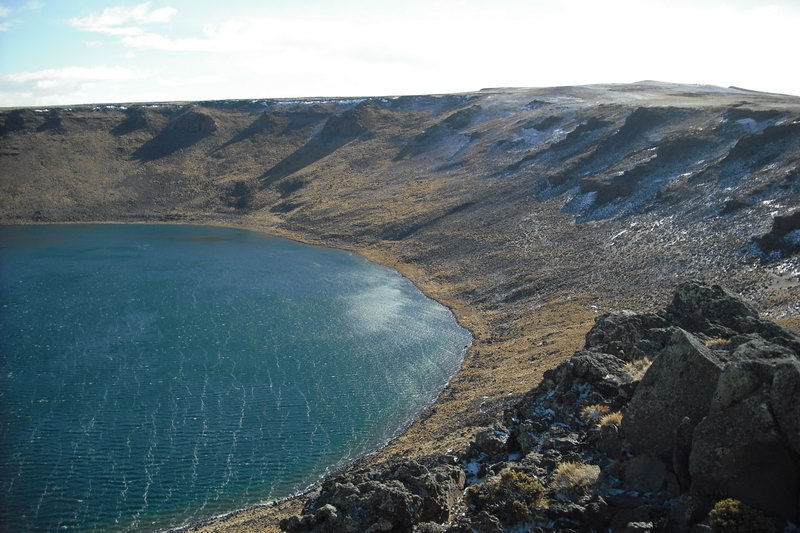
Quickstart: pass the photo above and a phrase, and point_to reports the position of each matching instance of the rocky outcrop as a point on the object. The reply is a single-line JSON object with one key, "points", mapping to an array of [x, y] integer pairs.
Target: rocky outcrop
{"points": [[19, 120], [184, 130], [53, 122], [194, 122], [452, 126], [135, 120], [783, 239], [351, 123], [388, 498], [680, 383]]}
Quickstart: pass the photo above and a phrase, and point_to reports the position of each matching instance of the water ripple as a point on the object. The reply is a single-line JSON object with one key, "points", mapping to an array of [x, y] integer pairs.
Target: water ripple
{"points": [[150, 375]]}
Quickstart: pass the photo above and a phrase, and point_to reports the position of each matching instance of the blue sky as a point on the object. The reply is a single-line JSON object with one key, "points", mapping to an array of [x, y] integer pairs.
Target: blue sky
{"points": [[92, 51]]}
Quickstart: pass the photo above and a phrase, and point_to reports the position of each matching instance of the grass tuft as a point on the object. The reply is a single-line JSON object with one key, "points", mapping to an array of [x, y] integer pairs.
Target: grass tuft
{"points": [[635, 370], [593, 413], [574, 479], [614, 418]]}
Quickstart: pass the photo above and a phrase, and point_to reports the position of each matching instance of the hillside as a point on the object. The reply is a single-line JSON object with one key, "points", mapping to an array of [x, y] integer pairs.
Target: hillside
{"points": [[528, 211]]}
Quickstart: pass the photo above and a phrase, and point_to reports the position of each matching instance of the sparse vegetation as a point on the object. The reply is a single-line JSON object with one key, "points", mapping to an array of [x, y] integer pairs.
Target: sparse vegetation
{"points": [[573, 479], [593, 413], [635, 370], [717, 341], [512, 497], [614, 418], [732, 516]]}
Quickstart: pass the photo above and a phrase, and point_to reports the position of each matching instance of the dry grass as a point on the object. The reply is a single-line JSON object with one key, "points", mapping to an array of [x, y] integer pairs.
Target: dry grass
{"points": [[572, 476], [717, 341], [511, 496], [614, 418], [593, 413], [635, 370]]}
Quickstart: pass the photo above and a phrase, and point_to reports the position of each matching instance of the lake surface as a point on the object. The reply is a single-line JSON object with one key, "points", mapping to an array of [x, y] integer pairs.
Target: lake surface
{"points": [[154, 374]]}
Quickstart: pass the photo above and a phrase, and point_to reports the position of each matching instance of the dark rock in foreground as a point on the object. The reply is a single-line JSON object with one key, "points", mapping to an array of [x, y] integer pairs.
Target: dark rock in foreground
{"points": [[387, 498], [656, 419]]}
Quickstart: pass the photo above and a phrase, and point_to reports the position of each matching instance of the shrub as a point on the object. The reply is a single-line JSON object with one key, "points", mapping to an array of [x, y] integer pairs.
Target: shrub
{"points": [[635, 370], [614, 418], [512, 497], [732, 516], [574, 480], [593, 413]]}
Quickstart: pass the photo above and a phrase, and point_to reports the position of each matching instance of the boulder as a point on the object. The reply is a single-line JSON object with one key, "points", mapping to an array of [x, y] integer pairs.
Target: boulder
{"points": [[714, 312], [785, 401], [527, 437], [627, 335], [591, 367], [680, 383], [645, 474], [710, 310], [490, 442], [739, 452], [783, 239]]}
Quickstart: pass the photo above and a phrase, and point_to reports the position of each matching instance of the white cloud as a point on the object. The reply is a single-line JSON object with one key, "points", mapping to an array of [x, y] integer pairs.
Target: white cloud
{"points": [[123, 20], [4, 11], [75, 74], [71, 85], [203, 79], [33, 5]]}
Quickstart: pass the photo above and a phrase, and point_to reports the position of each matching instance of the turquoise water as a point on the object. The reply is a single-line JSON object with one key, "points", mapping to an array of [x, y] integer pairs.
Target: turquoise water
{"points": [[151, 375]]}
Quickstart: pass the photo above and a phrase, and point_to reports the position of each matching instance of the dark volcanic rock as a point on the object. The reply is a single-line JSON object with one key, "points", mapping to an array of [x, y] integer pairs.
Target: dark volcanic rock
{"points": [[741, 449], [680, 383], [491, 442], [727, 421], [628, 335], [387, 498], [783, 239], [785, 401], [710, 310]]}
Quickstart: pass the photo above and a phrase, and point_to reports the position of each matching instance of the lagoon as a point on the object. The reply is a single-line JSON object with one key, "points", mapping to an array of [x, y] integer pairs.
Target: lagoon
{"points": [[152, 375]]}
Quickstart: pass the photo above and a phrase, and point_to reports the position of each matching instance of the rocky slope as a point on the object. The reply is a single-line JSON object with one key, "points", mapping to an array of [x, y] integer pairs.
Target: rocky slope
{"points": [[659, 417], [528, 211]]}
